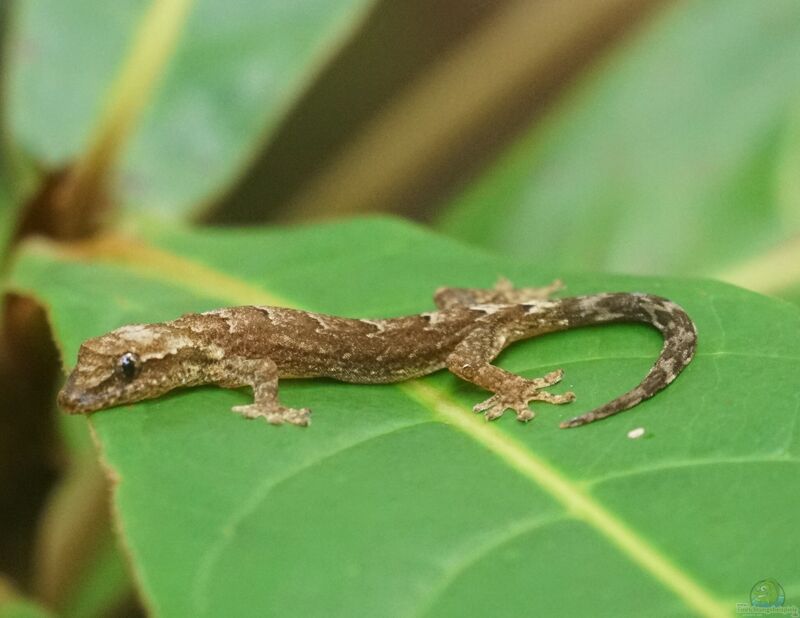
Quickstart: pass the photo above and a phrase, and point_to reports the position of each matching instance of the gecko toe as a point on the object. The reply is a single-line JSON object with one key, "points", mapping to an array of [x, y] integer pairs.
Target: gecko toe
{"points": [[554, 377], [567, 397], [248, 411], [295, 416], [495, 412], [487, 404], [494, 407], [525, 414]]}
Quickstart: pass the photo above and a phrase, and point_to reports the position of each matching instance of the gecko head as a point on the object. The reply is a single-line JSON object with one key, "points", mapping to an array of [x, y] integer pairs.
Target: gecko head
{"points": [[131, 363]]}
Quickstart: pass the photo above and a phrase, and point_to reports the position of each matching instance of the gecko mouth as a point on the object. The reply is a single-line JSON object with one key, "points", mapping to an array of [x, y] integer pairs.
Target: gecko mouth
{"points": [[76, 400]]}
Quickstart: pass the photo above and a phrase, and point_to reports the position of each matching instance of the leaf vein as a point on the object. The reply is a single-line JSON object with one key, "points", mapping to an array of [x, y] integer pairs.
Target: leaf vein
{"points": [[478, 549], [573, 498], [229, 528]]}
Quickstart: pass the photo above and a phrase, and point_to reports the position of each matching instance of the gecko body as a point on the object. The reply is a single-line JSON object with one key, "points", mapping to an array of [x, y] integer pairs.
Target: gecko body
{"points": [[256, 346]]}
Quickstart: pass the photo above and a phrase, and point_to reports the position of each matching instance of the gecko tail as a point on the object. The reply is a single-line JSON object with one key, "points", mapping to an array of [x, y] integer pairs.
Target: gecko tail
{"points": [[678, 330]]}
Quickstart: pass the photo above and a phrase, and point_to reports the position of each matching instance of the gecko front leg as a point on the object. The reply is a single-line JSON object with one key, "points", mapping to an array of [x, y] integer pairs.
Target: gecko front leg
{"points": [[471, 360], [262, 376]]}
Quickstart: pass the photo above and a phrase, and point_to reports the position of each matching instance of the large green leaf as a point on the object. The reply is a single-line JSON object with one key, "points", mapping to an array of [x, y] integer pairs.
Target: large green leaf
{"points": [[235, 69], [674, 156], [14, 605], [22, 609], [105, 583], [7, 206], [8, 211], [62, 57], [398, 500]]}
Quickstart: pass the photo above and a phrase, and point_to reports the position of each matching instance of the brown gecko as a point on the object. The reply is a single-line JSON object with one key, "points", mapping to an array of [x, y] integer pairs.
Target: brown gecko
{"points": [[255, 346]]}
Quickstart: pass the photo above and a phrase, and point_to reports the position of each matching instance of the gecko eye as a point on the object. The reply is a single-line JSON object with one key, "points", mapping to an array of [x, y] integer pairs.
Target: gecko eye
{"points": [[128, 366]]}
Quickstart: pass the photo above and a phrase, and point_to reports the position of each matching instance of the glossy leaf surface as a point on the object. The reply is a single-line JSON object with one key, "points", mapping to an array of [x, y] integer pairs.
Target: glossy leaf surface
{"points": [[398, 500]]}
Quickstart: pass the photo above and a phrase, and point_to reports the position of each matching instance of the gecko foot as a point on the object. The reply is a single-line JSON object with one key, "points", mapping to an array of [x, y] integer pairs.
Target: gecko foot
{"points": [[517, 397], [276, 415]]}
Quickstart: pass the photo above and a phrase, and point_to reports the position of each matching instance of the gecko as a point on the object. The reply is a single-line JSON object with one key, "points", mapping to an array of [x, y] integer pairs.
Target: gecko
{"points": [[256, 346]]}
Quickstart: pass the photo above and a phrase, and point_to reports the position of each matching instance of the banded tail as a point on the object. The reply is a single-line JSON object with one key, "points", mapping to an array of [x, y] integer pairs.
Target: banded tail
{"points": [[680, 341]]}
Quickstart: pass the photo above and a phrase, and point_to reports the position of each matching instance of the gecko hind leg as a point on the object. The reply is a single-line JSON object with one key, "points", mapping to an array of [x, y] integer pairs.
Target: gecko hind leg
{"points": [[471, 361], [517, 395]]}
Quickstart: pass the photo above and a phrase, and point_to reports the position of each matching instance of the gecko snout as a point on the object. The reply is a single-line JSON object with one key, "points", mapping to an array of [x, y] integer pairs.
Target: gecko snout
{"points": [[71, 398], [68, 398]]}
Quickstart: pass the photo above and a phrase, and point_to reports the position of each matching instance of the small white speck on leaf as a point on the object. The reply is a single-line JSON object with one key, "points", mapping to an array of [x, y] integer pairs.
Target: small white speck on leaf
{"points": [[633, 434]]}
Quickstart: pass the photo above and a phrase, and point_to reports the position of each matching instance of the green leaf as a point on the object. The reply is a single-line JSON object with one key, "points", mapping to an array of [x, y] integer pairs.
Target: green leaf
{"points": [[22, 609], [62, 57], [104, 585], [8, 211], [236, 69], [398, 500], [7, 204], [13, 605], [671, 157]]}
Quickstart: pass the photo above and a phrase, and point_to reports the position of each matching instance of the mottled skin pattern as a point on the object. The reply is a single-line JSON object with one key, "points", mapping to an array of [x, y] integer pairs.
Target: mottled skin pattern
{"points": [[255, 346]]}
